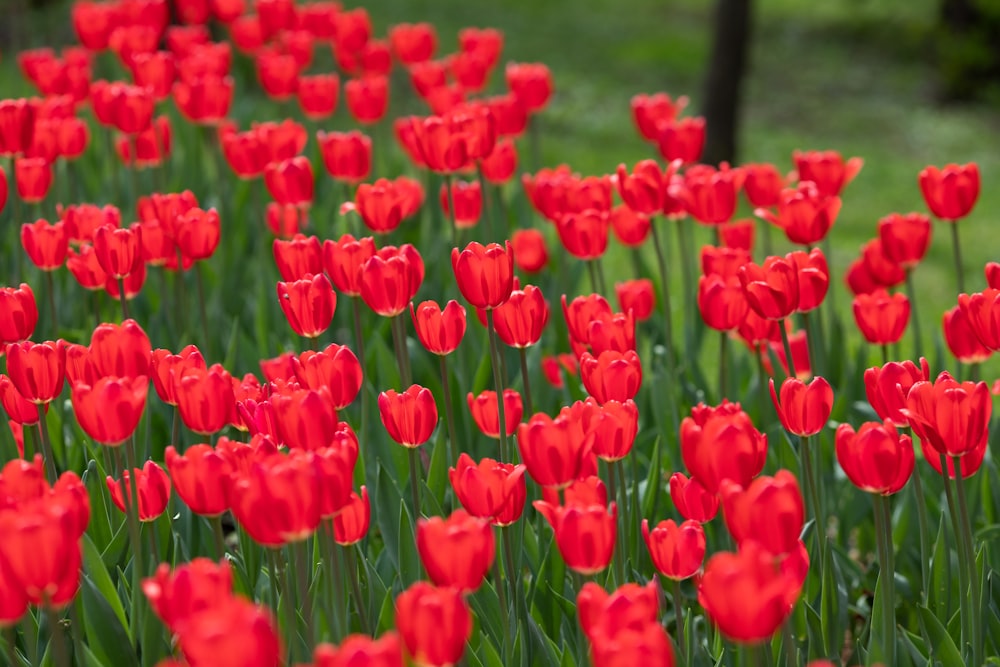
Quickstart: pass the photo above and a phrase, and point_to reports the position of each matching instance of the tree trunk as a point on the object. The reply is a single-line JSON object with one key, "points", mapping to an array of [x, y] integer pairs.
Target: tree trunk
{"points": [[723, 84]]}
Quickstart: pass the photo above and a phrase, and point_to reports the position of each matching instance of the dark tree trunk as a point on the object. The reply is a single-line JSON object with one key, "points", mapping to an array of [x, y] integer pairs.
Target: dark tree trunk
{"points": [[968, 49], [724, 82]]}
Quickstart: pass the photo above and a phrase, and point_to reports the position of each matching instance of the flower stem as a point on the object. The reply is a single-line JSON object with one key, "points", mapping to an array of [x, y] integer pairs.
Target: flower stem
{"points": [[207, 339], [219, 536], [668, 323], [402, 356], [956, 249], [812, 493], [788, 642], [963, 571], [918, 337], [970, 555], [487, 209], [359, 600], [121, 297], [883, 537], [9, 641], [497, 384], [501, 583], [448, 410], [51, 289], [58, 640], [414, 484], [131, 500], [525, 381], [47, 452], [332, 597], [303, 566], [788, 349], [449, 180], [925, 547], [679, 618], [723, 364], [617, 559]]}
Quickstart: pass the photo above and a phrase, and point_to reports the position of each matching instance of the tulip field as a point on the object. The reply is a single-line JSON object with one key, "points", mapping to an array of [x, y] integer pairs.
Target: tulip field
{"points": [[316, 352]]}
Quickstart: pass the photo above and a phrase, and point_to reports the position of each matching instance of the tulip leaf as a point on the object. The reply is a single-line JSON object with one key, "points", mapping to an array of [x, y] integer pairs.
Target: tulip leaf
{"points": [[941, 593], [408, 560], [942, 645], [105, 633], [915, 646], [387, 613], [654, 479], [93, 567], [876, 632], [437, 474], [100, 525], [386, 501], [490, 656]]}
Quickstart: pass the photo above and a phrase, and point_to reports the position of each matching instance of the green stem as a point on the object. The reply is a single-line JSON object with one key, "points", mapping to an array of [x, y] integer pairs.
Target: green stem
{"points": [[131, 500], [51, 289], [918, 336], [218, 536], [723, 364], [359, 600], [291, 625], [58, 640], [9, 642], [449, 181], [812, 493], [448, 410], [970, 555], [679, 619], [303, 573], [175, 431], [602, 286], [594, 283], [497, 383], [199, 281], [272, 580], [963, 572], [832, 291], [788, 642], [402, 356], [668, 324], [122, 298], [414, 483], [788, 349], [332, 597], [687, 253], [526, 382], [956, 249], [885, 354], [925, 547], [487, 212], [47, 451], [883, 537], [501, 583], [617, 560], [766, 236]]}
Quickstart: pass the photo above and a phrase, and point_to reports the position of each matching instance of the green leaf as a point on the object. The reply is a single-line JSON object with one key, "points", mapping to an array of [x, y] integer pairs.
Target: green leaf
{"points": [[93, 567], [437, 474], [408, 560], [942, 645], [105, 633], [875, 637], [386, 501], [941, 593]]}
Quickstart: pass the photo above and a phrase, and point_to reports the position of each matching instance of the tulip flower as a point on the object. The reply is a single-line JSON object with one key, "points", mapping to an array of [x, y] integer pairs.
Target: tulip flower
{"points": [[521, 319], [367, 98], [763, 185], [152, 487], [952, 417], [485, 274], [962, 341], [409, 417], [318, 94], [439, 331], [434, 624], [888, 387], [982, 312], [485, 414], [110, 410], [636, 296], [456, 552], [585, 534], [335, 369], [489, 489], [803, 408], [691, 499], [386, 651], [347, 156], [343, 260], [720, 443], [612, 376], [350, 525], [827, 170], [200, 477], [677, 551], [18, 313], [769, 511], [905, 238], [233, 632], [205, 398], [951, 192], [882, 318], [278, 500], [772, 289], [651, 112], [554, 451], [875, 457], [37, 370]]}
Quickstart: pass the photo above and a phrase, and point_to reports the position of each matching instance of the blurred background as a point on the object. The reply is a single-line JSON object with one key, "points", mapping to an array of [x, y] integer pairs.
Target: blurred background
{"points": [[901, 83]]}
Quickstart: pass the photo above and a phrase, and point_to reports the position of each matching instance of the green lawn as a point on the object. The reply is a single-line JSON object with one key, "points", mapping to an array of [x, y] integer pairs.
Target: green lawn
{"points": [[851, 75]]}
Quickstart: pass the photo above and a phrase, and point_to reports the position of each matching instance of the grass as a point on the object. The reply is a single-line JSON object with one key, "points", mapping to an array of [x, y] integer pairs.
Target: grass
{"points": [[850, 75]]}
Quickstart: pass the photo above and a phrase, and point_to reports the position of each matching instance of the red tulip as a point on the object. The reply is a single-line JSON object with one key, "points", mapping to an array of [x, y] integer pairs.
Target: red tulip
{"points": [[875, 457], [308, 304], [769, 511], [33, 177], [585, 534], [347, 156], [413, 42], [950, 192], [318, 94], [763, 185], [692, 500], [722, 302], [682, 139], [827, 170], [350, 525], [521, 319], [119, 250], [710, 195], [390, 279], [409, 417], [298, 257], [905, 238], [205, 398], [616, 429], [20, 410], [804, 213], [746, 595], [992, 271], [234, 631], [882, 270], [179, 594], [772, 290], [456, 552], [484, 274], [720, 443], [41, 555], [882, 318], [343, 260], [18, 314], [982, 312], [962, 341], [530, 83], [612, 376], [499, 165], [386, 651], [677, 551], [110, 410], [485, 412], [37, 370], [530, 254], [434, 624], [585, 234], [468, 202], [367, 98], [651, 112], [952, 417], [198, 233], [887, 388], [803, 408], [290, 181], [440, 331], [554, 451], [334, 369], [204, 100], [490, 489], [278, 500], [120, 350], [46, 244], [153, 488], [200, 477], [814, 278]]}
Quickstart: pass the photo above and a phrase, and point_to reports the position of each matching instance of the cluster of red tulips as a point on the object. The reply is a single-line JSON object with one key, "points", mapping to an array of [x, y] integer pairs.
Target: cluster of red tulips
{"points": [[263, 520]]}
